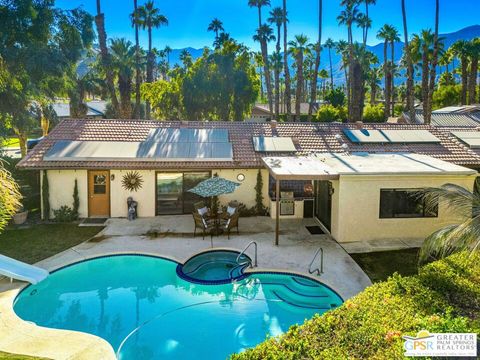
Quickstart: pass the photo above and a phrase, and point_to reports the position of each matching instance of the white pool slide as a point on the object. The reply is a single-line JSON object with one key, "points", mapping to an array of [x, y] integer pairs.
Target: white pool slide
{"points": [[18, 270]]}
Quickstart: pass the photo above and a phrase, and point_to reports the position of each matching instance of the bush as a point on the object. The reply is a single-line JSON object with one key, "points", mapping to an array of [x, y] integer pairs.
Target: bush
{"points": [[446, 96], [328, 113], [374, 113], [336, 97], [65, 214], [443, 297]]}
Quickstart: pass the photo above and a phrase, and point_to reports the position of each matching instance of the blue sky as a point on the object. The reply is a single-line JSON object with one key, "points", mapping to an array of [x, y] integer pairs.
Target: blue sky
{"points": [[188, 19]]}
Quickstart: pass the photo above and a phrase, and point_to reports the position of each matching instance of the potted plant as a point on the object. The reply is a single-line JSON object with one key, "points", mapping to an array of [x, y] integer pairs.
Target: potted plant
{"points": [[21, 216]]}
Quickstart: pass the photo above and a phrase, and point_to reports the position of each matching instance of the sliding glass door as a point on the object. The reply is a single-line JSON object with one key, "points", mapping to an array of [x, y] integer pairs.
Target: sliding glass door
{"points": [[173, 196]]}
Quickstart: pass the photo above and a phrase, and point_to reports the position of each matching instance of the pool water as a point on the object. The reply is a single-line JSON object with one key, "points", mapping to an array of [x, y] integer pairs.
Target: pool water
{"points": [[146, 311]]}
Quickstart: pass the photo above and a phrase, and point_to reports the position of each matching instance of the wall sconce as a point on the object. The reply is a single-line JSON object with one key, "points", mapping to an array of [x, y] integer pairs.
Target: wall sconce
{"points": [[112, 177], [240, 177]]}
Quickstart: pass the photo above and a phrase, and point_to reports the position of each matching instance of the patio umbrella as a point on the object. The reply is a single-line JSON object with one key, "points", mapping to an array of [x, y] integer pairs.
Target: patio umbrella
{"points": [[214, 186]]}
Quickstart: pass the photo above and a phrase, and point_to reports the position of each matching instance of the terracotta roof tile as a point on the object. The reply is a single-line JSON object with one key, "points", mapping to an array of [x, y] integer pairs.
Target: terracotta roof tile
{"points": [[307, 137]]}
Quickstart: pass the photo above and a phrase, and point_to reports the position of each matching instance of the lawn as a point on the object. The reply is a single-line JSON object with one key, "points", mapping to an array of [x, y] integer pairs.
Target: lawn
{"points": [[10, 142], [42, 241], [380, 265]]}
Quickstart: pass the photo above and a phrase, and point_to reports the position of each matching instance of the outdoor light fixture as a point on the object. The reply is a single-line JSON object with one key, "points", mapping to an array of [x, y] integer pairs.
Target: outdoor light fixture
{"points": [[240, 177], [112, 177]]}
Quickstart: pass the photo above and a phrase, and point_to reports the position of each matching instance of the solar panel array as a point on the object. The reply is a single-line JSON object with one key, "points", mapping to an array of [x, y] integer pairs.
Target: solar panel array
{"points": [[471, 138], [364, 136], [273, 144], [164, 144]]}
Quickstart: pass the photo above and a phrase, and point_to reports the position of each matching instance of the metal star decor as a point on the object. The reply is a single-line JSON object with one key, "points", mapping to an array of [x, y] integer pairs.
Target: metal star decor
{"points": [[132, 181]]}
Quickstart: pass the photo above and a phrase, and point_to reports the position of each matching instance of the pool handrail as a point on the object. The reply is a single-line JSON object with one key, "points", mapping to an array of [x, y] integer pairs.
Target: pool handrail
{"points": [[243, 253], [317, 270]]}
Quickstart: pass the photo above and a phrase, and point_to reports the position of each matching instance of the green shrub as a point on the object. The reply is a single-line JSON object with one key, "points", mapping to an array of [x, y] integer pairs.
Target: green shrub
{"points": [[328, 113], [443, 297], [65, 214], [374, 113], [259, 208], [446, 96], [76, 200], [336, 97], [45, 196]]}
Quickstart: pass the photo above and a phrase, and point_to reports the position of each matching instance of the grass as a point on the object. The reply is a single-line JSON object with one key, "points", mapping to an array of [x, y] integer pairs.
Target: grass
{"points": [[39, 242], [10, 142], [380, 265], [9, 356]]}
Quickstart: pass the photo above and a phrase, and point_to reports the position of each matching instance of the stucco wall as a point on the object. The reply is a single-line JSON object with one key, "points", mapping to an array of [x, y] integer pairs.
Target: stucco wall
{"points": [[144, 196], [356, 205], [245, 193], [61, 183]]}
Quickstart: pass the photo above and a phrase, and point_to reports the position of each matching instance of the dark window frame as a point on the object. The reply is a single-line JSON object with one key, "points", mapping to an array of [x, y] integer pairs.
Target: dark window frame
{"points": [[394, 214]]}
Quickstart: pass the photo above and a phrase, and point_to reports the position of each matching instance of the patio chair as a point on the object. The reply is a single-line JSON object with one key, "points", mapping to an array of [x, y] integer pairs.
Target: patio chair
{"points": [[201, 223], [231, 210], [231, 223], [202, 209]]}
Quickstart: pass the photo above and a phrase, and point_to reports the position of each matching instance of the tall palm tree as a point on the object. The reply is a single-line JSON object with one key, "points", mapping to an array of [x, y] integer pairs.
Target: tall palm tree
{"points": [[367, 3], [216, 26], [298, 48], [373, 77], [318, 49], [474, 52], [263, 36], [330, 44], [384, 34], [460, 49], [394, 36], [258, 61], [123, 64], [364, 22], [410, 71], [464, 235], [288, 88], [138, 80], [186, 58], [149, 17], [433, 68], [342, 48], [106, 58], [276, 18]]}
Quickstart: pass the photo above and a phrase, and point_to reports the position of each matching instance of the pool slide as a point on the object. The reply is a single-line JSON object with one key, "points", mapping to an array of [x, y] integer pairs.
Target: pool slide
{"points": [[18, 270]]}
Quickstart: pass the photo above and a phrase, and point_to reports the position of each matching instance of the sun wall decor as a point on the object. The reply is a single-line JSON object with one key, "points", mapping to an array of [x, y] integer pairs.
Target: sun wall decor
{"points": [[132, 181]]}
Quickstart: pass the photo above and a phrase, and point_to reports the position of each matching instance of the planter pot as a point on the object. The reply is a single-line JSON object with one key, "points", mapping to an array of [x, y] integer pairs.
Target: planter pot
{"points": [[20, 218]]}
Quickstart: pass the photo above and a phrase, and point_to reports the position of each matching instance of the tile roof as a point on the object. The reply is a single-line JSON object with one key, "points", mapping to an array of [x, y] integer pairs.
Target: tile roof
{"points": [[308, 138], [448, 119]]}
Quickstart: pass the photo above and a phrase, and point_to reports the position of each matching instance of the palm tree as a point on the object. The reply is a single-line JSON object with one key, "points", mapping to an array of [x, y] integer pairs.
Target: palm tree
{"points": [[460, 49], [221, 40], [464, 235], [323, 74], [433, 69], [342, 48], [137, 61], [394, 36], [330, 44], [364, 22], [186, 58], [298, 48], [318, 49], [123, 63], [258, 61], [264, 35], [421, 53], [384, 34], [106, 58], [149, 17], [276, 18], [373, 76], [474, 53], [410, 71], [368, 2], [216, 26], [288, 88]]}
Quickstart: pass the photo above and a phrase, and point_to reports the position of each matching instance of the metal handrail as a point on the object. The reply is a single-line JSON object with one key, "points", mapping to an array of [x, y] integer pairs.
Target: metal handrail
{"points": [[243, 253], [317, 270]]}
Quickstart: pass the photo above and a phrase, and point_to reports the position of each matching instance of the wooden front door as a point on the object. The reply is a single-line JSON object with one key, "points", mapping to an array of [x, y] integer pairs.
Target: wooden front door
{"points": [[99, 193]]}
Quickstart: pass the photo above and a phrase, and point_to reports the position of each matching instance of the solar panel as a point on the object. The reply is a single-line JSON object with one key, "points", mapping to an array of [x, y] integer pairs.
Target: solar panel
{"points": [[471, 138], [364, 136], [273, 144], [187, 135]]}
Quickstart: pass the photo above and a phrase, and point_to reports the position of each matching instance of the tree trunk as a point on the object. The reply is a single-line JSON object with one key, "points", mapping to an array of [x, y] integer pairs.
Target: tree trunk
{"points": [[433, 68], [331, 67], [288, 89], [350, 74], [299, 89], [464, 62], [410, 72], [105, 56], [386, 80], [373, 93], [22, 139], [392, 70], [313, 93], [266, 71], [150, 61], [357, 85], [425, 67], [136, 110], [277, 76], [472, 83]]}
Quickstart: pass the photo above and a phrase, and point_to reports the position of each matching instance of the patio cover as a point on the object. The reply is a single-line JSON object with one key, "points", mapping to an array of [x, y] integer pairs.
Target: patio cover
{"points": [[299, 168]]}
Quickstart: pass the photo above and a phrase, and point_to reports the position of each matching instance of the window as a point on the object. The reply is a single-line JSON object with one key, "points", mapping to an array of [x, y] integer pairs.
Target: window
{"points": [[402, 203], [99, 184]]}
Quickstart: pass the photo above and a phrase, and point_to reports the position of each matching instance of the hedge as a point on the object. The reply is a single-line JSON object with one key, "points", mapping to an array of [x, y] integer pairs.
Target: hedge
{"points": [[443, 297]]}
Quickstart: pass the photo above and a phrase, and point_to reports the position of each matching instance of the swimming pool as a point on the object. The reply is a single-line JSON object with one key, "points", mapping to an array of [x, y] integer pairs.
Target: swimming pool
{"points": [[142, 307]]}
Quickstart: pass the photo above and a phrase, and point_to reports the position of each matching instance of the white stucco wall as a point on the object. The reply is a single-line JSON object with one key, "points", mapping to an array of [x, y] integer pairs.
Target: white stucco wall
{"points": [[245, 193], [356, 206], [144, 196], [61, 184]]}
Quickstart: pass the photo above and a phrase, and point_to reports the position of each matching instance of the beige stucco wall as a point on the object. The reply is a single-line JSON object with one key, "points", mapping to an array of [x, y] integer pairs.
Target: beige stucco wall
{"points": [[356, 205], [245, 193], [144, 196], [61, 183]]}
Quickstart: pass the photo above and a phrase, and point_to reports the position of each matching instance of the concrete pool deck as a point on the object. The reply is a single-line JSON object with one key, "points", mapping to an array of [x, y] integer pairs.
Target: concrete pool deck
{"points": [[170, 236]]}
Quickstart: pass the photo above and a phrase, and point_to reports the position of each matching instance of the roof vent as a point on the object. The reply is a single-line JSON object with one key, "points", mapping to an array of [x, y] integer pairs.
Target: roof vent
{"points": [[273, 126], [359, 124]]}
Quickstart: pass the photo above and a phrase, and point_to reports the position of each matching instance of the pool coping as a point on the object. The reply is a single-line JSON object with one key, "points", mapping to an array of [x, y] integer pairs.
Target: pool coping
{"points": [[26, 338]]}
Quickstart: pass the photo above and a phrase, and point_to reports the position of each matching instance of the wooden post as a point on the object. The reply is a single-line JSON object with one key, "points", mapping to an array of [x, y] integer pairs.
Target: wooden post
{"points": [[277, 210]]}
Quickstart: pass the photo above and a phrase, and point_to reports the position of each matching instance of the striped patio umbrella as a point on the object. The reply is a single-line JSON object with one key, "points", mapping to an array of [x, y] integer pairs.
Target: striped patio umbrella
{"points": [[214, 186]]}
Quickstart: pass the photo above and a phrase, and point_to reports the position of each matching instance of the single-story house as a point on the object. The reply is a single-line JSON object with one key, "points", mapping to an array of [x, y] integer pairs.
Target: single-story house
{"points": [[261, 112], [95, 109], [464, 115], [357, 179]]}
